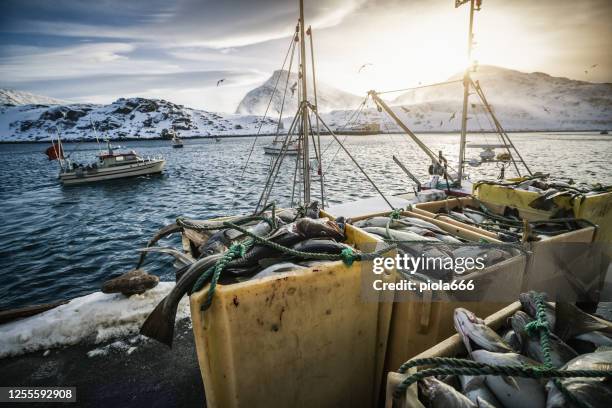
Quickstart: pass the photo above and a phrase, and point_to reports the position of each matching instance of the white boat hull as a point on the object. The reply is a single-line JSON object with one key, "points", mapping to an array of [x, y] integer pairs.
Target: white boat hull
{"points": [[273, 149], [111, 173]]}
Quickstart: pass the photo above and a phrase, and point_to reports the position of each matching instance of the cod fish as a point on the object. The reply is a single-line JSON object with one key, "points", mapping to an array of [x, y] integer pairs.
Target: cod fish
{"points": [[399, 235], [528, 304], [512, 391], [160, 323], [596, 392], [475, 388], [473, 330], [561, 353], [441, 395]]}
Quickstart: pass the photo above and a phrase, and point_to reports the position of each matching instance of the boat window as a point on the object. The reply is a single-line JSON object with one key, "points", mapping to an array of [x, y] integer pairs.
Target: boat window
{"points": [[119, 158]]}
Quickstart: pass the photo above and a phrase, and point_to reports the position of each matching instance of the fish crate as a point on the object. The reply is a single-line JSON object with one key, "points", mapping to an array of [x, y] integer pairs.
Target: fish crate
{"points": [[595, 208], [301, 338], [417, 325], [451, 347], [553, 261]]}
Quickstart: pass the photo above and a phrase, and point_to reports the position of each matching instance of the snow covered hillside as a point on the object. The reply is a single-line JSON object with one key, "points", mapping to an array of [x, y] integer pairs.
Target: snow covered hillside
{"points": [[124, 118], [521, 101], [14, 97], [328, 97]]}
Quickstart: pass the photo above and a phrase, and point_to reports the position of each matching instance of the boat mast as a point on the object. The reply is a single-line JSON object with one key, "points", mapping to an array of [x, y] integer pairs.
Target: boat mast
{"points": [[466, 87], [304, 109]]}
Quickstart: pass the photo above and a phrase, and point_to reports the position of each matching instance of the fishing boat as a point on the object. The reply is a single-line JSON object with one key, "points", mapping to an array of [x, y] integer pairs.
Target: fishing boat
{"points": [[109, 166], [177, 143], [278, 147]]}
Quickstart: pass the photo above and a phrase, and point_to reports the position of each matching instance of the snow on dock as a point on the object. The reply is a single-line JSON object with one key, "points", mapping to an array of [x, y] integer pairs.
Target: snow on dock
{"points": [[93, 318]]}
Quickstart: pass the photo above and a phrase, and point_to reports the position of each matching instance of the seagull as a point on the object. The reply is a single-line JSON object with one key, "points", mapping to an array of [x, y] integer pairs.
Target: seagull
{"points": [[293, 88], [546, 109], [452, 116], [594, 65], [363, 66], [586, 72], [219, 81]]}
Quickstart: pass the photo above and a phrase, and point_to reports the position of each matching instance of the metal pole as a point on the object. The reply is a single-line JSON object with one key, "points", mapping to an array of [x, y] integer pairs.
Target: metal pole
{"points": [[466, 95], [305, 129], [405, 128], [316, 105]]}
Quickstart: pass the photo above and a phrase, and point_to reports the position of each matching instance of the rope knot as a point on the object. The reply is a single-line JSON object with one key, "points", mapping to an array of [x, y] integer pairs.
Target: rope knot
{"points": [[396, 214], [348, 256], [532, 328], [238, 249]]}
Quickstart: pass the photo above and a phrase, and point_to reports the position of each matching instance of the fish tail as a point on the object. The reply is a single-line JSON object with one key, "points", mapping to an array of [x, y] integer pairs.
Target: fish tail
{"points": [[160, 324]]}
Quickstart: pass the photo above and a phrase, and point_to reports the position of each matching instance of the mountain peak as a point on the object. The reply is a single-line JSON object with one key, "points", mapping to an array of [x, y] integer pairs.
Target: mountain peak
{"points": [[256, 101]]}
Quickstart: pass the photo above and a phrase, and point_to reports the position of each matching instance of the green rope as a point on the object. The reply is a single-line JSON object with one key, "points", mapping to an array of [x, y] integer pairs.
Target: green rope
{"points": [[457, 366], [541, 325], [396, 214], [348, 256]]}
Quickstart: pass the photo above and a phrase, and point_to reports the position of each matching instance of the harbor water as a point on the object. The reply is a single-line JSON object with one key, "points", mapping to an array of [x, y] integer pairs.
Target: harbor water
{"points": [[60, 242]]}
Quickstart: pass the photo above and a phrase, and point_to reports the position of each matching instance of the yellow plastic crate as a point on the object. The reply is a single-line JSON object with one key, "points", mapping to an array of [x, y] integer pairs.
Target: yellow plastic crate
{"points": [[303, 338]]}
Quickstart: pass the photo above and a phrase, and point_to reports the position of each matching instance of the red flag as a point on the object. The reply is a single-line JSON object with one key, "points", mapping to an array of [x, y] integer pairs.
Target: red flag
{"points": [[55, 152]]}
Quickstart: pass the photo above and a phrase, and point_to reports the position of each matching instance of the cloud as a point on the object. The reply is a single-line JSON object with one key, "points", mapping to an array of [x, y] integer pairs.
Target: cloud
{"points": [[217, 24]]}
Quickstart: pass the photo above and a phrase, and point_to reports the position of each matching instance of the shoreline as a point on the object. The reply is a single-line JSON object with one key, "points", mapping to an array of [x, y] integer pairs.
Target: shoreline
{"points": [[428, 132]]}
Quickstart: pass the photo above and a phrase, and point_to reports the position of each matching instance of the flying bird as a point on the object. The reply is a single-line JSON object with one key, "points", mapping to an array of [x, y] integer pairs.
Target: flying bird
{"points": [[363, 66], [405, 109], [586, 72], [452, 116], [219, 81], [546, 109], [293, 88], [441, 122], [594, 65]]}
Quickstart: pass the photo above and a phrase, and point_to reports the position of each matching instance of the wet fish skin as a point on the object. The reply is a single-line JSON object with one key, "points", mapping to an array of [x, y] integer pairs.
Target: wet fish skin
{"points": [[512, 391], [278, 268], [441, 395], [399, 235], [512, 339], [321, 228], [318, 245], [472, 329], [596, 392], [475, 388], [379, 222], [528, 304], [560, 352], [159, 325]]}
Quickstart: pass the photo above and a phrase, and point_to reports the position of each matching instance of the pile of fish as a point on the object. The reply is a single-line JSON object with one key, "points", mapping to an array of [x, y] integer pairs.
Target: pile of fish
{"points": [[509, 226], [579, 341], [550, 188], [416, 237], [210, 239]]}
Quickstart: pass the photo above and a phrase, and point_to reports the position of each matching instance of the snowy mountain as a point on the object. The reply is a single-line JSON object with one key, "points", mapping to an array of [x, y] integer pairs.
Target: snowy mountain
{"points": [[328, 97], [124, 118], [14, 97], [521, 101]]}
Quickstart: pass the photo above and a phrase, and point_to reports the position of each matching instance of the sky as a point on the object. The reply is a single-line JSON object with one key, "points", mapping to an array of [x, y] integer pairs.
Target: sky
{"points": [[99, 51]]}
